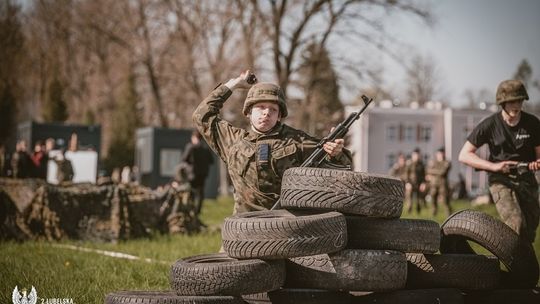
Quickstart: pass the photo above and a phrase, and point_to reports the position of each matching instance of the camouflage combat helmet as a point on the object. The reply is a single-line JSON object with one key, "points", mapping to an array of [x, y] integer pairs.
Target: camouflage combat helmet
{"points": [[265, 91], [511, 90]]}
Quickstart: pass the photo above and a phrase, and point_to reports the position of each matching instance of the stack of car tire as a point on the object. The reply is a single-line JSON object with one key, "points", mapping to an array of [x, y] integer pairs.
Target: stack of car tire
{"points": [[339, 239]]}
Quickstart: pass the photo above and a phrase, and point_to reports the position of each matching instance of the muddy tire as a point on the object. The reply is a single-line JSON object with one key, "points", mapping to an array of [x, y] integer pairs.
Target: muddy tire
{"points": [[166, 297], [516, 254], [279, 234], [349, 270], [218, 274], [344, 191], [405, 235], [464, 271]]}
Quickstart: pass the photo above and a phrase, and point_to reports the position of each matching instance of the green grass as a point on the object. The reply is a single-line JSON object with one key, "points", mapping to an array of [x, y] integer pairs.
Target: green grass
{"points": [[87, 277]]}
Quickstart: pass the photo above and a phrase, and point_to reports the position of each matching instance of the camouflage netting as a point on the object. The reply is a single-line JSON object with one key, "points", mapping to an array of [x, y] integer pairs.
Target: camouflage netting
{"points": [[32, 209]]}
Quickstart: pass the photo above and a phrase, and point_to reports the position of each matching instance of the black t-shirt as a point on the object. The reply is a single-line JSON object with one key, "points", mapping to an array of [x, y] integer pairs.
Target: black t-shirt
{"points": [[506, 142]]}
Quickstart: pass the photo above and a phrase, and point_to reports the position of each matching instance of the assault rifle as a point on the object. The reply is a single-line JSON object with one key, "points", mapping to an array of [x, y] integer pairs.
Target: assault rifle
{"points": [[318, 157], [516, 169]]}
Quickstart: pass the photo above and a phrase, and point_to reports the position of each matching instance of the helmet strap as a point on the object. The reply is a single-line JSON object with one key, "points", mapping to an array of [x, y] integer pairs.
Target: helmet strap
{"points": [[503, 106]]}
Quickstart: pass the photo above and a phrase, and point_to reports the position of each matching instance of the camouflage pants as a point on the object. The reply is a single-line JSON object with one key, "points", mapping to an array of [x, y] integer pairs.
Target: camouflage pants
{"points": [[518, 207], [439, 196], [414, 198]]}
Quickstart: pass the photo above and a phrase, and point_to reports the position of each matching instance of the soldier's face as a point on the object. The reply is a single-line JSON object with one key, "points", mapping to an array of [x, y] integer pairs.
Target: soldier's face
{"points": [[264, 116], [513, 108]]}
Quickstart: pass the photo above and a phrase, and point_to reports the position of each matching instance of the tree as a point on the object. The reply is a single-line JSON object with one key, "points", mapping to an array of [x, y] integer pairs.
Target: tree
{"points": [[11, 58], [480, 99], [423, 80], [524, 72], [55, 108], [290, 25], [7, 113], [321, 106], [126, 120]]}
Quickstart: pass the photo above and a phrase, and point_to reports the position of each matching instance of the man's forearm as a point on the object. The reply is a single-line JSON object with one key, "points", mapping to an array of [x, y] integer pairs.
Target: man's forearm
{"points": [[475, 161]]}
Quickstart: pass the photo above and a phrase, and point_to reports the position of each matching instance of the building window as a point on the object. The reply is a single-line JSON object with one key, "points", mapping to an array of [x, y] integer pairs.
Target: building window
{"points": [[409, 133], [391, 133], [390, 160], [425, 134]]}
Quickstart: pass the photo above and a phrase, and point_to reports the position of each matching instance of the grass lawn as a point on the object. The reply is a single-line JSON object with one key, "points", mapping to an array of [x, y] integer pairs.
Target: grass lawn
{"points": [[85, 277]]}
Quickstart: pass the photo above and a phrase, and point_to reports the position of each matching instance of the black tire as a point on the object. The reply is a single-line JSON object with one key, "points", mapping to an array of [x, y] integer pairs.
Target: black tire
{"points": [[406, 235], [504, 296], [350, 269], [218, 274], [166, 297], [414, 296], [279, 234], [464, 271], [344, 191], [257, 298], [515, 253], [308, 296]]}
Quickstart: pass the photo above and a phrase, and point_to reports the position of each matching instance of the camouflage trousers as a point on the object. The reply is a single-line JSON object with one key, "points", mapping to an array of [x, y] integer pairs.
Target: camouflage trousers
{"points": [[518, 207], [439, 197], [414, 199]]}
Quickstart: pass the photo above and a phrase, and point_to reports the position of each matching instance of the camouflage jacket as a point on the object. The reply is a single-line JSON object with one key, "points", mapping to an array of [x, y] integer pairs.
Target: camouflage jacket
{"points": [[438, 172], [416, 172], [256, 183], [399, 172]]}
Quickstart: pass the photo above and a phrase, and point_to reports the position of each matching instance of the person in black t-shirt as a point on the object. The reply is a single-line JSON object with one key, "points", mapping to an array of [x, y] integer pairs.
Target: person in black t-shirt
{"points": [[200, 159], [512, 136]]}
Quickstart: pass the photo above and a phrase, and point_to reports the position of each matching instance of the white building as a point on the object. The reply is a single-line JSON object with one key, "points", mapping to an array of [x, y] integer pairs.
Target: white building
{"points": [[383, 132]]}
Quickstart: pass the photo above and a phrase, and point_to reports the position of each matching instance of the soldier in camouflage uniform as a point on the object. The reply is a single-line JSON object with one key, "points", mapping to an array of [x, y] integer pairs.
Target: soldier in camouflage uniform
{"points": [[399, 169], [437, 176], [256, 158], [512, 136], [415, 185]]}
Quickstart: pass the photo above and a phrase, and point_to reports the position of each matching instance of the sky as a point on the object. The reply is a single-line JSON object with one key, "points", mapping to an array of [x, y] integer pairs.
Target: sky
{"points": [[475, 43]]}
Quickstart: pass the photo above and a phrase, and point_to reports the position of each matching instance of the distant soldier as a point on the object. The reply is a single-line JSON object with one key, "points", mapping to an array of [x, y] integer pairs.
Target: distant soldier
{"points": [[399, 169], [200, 158], [64, 172], [437, 176], [21, 164], [415, 185], [3, 161], [512, 136]]}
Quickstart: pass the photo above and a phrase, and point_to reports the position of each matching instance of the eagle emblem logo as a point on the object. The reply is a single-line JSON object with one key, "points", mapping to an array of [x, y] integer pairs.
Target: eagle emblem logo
{"points": [[23, 298]]}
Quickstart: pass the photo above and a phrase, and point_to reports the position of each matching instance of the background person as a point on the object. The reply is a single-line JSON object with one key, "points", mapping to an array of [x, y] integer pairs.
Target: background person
{"points": [[399, 169], [437, 176], [415, 185], [40, 159], [64, 171], [21, 163], [200, 159]]}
